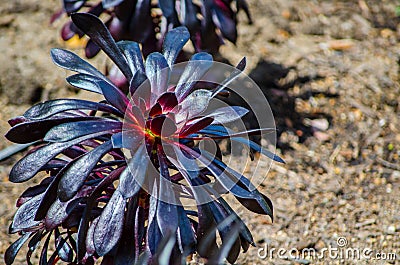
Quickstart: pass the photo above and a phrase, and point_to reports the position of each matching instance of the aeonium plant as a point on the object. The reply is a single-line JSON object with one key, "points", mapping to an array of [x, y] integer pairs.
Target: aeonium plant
{"points": [[126, 179]]}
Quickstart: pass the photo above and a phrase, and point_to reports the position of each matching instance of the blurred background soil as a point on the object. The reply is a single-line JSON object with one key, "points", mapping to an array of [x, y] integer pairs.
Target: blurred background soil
{"points": [[330, 70]]}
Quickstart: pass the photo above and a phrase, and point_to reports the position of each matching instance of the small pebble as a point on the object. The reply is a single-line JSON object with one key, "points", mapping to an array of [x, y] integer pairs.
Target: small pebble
{"points": [[391, 230]]}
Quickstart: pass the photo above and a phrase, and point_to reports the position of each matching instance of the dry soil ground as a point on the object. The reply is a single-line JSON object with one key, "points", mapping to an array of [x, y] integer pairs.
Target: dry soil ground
{"points": [[330, 70]]}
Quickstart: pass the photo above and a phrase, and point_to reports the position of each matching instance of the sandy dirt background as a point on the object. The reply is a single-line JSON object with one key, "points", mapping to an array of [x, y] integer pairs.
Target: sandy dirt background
{"points": [[330, 70]]}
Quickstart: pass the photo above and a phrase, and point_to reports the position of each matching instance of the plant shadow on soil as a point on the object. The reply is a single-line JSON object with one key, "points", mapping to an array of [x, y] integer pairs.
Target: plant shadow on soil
{"points": [[267, 75]]}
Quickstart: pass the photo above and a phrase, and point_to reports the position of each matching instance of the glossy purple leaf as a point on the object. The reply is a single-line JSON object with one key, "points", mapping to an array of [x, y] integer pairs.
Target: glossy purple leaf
{"points": [[138, 79], [157, 71], [206, 236], [73, 5], [140, 231], [32, 131], [162, 125], [63, 249], [133, 55], [76, 174], [12, 250], [49, 197], [84, 81], [133, 176], [228, 114], [167, 212], [195, 69], [232, 77], [224, 19], [167, 101], [245, 235], [126, 253], [229, 232], [28, 166], [141, 22], [34, 243], [230, 248], [111, 3], [91, 49], [169, 12], [24, 217], [70, 61], [71, 130], [256, 147], [193, 105], [187, 242], [43, 255], [58, 212], [13, 149], [189, 15], [155, 110], [33, 191], [224, 133], [130, 140], [52, 107], [255, 202], [113, 95], [66, 31], [173, 43], [90, 248], [154, 235], [196, 126], [110, 225], [97, 31], [83, 236]]}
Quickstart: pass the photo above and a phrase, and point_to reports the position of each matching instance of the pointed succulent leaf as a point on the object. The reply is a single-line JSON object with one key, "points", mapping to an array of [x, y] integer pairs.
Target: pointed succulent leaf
{"points": [[65, 251], [154, 235], [133, 55], [167, 212], [13, 249], [195, 126], [157, 71], [70, 61], [31, 131], [256, 147], [228, 114], [71, 130], [133, 176], [195, 69], [111, 3], [187, 240], [92, 26], [162, 125], [85, 82], [76, 174], [173, 43], [24, 217], [110, 225], [32, 163], [52, 107], [126, 253], [141, 22], [224, 19], [58, 212], [235, 73], [193, 105], [167, 101]]}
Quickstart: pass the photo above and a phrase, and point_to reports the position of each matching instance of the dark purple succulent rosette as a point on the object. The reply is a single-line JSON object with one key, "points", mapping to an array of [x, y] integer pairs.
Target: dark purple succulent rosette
{"points": [[109, 191], [209, 21]]}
